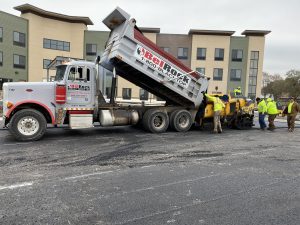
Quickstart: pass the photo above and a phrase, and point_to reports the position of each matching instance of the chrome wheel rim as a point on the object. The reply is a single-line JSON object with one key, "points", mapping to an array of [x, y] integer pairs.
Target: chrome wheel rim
{"points": [[28, 125], [183, 121], [158, 121]]}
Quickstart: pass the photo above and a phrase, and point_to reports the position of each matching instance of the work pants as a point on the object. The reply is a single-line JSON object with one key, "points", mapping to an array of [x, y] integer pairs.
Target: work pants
{"points": [[217, 121], [291, 121], [271, 119], [261, 120]]}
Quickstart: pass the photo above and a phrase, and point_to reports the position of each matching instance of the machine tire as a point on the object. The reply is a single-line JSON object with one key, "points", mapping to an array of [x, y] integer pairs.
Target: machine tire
{"points": [[28, 125], [244, 123], [155, 121], [181, 120]]}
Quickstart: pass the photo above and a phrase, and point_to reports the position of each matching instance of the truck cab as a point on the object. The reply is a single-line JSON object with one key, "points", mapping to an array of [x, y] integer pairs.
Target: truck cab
{"points": [[77, 79], [29, 106]]}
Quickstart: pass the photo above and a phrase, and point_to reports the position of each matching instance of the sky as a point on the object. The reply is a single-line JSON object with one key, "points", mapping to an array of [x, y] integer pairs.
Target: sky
{"points": [[282, 47]]}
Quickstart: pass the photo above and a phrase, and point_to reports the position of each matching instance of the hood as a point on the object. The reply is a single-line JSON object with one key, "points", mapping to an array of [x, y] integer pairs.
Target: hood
{"points": [[19, 92]]}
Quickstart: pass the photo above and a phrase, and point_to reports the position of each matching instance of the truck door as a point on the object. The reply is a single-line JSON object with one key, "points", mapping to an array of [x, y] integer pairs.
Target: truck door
{"points": [[79, 88]]}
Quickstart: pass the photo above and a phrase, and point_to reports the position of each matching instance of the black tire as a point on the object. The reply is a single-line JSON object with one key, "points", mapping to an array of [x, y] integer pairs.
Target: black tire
{"points": [[244, 123], [181, 120], [35, 120], [155, 121]]}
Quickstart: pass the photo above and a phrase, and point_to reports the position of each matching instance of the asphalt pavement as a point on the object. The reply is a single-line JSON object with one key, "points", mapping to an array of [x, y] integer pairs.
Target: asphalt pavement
{"points": [[123, 175]]}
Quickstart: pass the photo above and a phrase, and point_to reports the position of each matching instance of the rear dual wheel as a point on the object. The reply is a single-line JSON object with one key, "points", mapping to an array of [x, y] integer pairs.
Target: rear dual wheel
{"points": [[155, 121], [181, 120]]}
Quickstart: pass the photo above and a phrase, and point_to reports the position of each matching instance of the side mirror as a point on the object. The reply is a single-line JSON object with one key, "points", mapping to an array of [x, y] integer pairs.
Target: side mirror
{"points": [[98, 59]]}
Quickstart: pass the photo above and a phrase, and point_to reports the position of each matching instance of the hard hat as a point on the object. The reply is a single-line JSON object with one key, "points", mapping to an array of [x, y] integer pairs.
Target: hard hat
{"points": [[239, 87], [269, 99]]}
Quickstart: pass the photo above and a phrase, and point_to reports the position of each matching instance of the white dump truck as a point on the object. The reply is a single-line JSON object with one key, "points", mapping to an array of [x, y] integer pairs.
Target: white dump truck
{"points": [[74, 98]]}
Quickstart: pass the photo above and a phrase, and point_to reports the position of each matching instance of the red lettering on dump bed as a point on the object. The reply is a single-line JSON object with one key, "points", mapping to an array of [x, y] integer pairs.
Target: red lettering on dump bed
{"points": [[140, 37]]}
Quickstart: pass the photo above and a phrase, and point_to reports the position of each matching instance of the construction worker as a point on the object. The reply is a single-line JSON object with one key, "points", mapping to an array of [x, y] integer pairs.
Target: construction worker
{"points": [[292, 110], [237, 91], [218, 107], [272, 112], [262, 111]]}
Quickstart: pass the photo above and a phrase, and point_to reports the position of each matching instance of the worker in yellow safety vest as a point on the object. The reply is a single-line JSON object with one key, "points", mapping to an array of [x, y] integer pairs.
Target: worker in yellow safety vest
{"points": [[292, 110], [218, 107], [237, 91], [272, 112], [262, 111]]}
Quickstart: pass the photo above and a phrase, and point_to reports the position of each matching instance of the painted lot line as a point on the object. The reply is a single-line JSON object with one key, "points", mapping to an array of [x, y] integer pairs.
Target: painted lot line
{"points": [[18, 185]]}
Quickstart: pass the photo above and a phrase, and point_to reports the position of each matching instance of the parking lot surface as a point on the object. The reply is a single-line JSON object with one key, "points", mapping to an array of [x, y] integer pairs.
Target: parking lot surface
{"points": [[127, 176]]}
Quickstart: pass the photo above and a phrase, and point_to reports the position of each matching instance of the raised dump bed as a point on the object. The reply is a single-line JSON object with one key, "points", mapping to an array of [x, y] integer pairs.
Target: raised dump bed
{"points": [[143, 63]]}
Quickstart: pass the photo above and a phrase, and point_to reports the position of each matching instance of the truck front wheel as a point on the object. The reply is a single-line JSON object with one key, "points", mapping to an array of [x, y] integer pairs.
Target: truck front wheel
{"points": [[28, 125]]}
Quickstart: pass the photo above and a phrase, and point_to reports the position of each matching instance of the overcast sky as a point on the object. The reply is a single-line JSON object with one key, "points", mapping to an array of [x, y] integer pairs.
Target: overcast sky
{"points": [[282, 51]]}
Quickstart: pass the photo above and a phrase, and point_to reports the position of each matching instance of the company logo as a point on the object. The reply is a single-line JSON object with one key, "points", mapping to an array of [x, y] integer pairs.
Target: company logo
{"points": [[78, 87], [162, 66]]}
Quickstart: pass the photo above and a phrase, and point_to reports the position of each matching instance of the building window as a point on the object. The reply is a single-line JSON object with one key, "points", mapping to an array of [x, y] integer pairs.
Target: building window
{"points": [[56, 45], [237, 55], [183, 53], [19, 39], [126, 93], [201, 70], [19, 61], [235, 75], [144, 95], [218, 74], [46, 63], [166, 49], [201, 53], [1, 34], [254, 55], [253, 71], [219, 54], [1, 58], [91, 49]]}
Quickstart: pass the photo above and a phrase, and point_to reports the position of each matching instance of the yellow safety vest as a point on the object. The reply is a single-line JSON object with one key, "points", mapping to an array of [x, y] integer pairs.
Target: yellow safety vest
{"points": [[262, 106], [237, 92], [290, 107], [272, 108], [218, 104]]}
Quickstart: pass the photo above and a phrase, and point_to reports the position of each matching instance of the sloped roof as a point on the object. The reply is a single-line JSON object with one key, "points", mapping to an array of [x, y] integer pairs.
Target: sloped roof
{"points": [[27, 8]]}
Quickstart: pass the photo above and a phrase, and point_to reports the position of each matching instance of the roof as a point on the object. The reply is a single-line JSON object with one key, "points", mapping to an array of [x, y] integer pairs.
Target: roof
{"points": [[27, 8], [256, 32], [150, 30], [212, 32]]}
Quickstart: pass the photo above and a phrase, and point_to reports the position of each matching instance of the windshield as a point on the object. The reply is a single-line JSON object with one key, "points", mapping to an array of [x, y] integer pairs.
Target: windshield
{"points": [[60, 72]]}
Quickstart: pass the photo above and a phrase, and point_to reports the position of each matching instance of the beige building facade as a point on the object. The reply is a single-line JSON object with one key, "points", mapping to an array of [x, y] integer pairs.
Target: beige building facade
{"points": [[216, 68], [255, 65], [50, 35]]}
